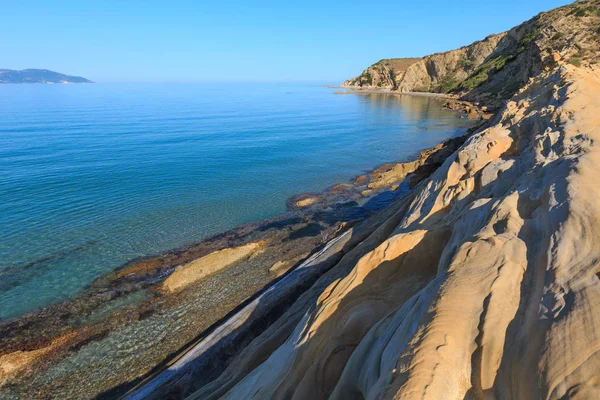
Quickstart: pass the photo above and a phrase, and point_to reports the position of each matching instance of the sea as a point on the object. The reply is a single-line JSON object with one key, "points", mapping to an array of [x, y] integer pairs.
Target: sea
{"points": [[94, 175]]}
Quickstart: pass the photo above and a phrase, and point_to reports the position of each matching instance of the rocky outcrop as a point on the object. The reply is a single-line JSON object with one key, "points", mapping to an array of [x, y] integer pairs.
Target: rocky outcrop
{"points": [[387, 177], [383, 74], [484, 282]]}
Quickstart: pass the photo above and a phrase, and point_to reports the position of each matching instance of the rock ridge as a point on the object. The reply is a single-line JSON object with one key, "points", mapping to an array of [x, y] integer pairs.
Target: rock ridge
{"points": [[484, 282]]}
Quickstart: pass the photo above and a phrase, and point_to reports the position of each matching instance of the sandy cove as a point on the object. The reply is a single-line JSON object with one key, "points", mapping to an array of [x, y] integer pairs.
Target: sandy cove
{"points": [[140, 318]]}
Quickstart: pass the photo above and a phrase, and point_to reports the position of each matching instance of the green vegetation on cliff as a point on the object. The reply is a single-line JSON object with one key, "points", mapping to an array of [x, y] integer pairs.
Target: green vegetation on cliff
{"points": [[495, 67], [484, 71]]}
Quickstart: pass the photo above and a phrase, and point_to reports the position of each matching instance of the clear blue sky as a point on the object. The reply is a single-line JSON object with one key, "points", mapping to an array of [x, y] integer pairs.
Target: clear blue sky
{"points": [[181, 41]]}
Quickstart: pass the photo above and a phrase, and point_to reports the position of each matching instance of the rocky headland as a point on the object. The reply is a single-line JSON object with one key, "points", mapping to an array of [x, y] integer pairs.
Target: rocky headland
{"points": [[471, 272], [38, 76]]}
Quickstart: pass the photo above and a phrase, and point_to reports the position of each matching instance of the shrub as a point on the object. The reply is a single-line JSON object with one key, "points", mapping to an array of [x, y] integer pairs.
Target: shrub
{"points": [[530, 37], [482, 74], [557, 36], [367, 78], [578, 11], [499, 62], [475, 81], [575, 61], [447, 84], [465, 63], [582, 11], [496, 64]]}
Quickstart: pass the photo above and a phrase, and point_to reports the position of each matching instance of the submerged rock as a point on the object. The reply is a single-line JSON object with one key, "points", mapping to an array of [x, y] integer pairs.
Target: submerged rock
{"points": [[210, 264]]}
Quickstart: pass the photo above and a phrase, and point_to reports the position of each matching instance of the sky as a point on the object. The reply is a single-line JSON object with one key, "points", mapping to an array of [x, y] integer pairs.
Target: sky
{"points": [[198, 41]]}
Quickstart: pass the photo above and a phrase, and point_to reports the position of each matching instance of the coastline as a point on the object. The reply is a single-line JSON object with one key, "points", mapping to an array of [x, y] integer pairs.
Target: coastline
{"points": [[469, 109], [134, 293], [467, 271], [488, 269], [354, 90]]}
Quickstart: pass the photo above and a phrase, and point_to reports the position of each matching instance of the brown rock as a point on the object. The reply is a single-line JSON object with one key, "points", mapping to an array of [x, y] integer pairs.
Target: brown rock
{"points": [[556, 57]]}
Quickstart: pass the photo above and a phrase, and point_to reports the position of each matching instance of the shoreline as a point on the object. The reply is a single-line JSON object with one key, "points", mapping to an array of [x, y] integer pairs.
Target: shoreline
{"points": [[471, 110], [188, 368], [134, 292], [336, 193], [421, 303], [468, 271], [353, 90]]}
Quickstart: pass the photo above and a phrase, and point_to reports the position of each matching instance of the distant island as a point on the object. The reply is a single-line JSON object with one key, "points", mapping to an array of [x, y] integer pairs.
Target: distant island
{"points": [[38, 76]]}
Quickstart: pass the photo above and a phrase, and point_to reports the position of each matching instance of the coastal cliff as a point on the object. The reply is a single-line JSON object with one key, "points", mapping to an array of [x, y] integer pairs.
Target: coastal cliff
{"points": [[493, 69], [383, 74], [484, 282], [469, 272]]}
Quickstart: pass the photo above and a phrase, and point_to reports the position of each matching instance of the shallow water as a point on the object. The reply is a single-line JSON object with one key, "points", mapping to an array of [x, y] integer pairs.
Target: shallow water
{"points": [[92, 176]]}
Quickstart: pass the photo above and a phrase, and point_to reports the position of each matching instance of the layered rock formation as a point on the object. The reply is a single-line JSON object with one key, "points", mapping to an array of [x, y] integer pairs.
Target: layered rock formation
{"points": [[383, 74], [484, 282]]}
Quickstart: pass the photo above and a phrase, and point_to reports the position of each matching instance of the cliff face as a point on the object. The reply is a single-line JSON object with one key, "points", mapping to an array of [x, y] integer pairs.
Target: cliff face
{"points": [[432, 72], [383, 74], [484, 282], [493, 69]]}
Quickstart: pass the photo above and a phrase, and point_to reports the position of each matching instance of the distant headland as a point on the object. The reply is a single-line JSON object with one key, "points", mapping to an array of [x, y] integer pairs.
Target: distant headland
{"points": [[38, 76]]}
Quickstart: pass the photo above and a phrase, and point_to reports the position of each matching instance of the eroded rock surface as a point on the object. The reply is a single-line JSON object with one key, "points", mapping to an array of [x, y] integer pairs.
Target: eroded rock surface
{"points": [[482, 282], [486, 286]]}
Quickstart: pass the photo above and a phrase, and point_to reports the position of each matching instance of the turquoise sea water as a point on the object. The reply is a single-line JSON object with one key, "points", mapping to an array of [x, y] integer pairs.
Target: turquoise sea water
{"points": [[92, 176]]}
